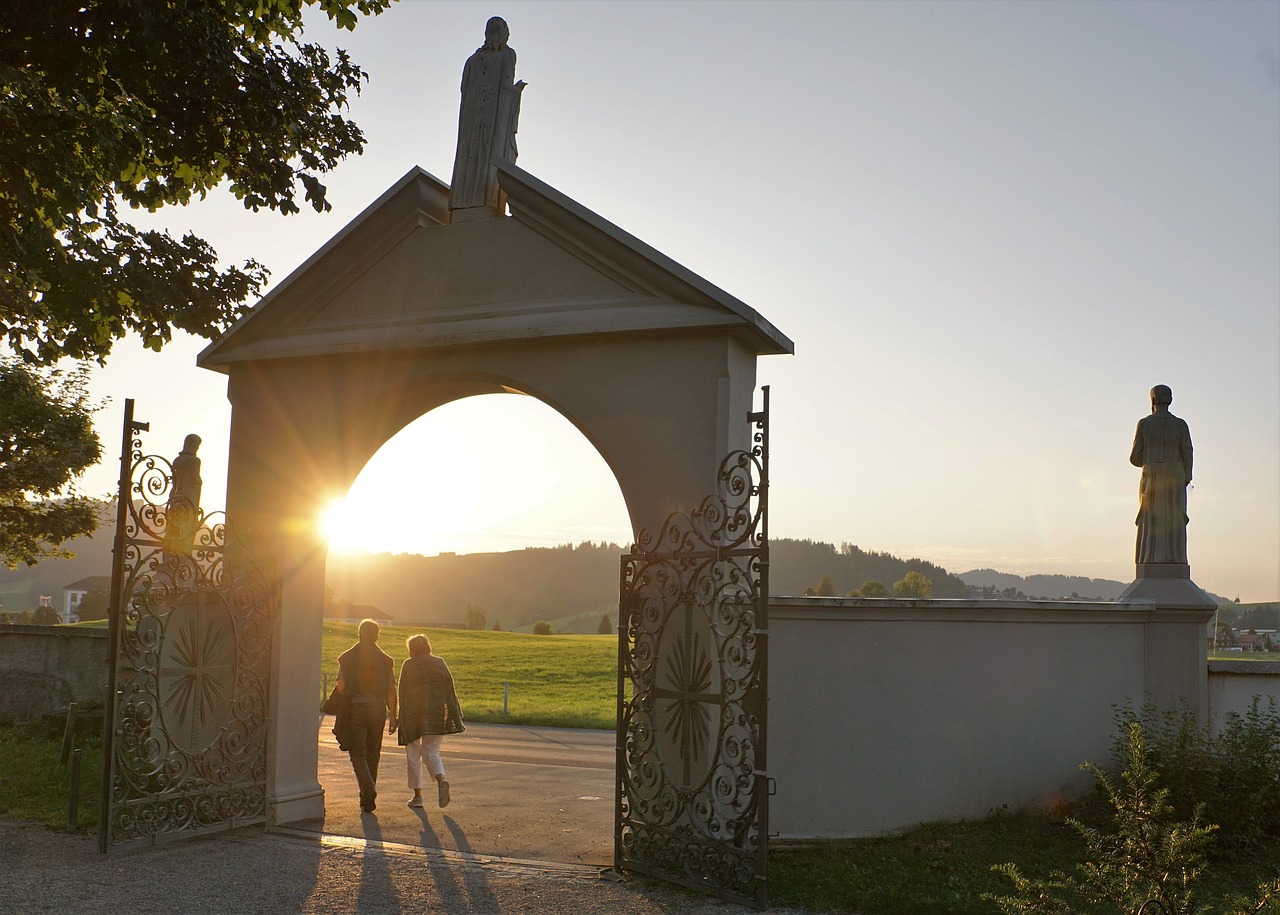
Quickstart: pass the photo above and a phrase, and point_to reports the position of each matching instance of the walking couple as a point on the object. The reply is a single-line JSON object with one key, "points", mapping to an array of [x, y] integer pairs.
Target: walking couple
{"points": [[428, 710]]}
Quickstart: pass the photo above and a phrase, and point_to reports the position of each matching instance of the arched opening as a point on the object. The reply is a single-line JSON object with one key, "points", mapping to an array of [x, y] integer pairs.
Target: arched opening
{"points": [[463, 517]]}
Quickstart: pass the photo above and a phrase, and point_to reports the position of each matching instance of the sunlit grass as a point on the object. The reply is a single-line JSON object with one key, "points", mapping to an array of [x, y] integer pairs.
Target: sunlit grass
{"points": [[556, 680]]}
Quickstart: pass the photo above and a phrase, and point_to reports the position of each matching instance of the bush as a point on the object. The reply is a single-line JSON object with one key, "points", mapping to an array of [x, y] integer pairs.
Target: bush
{"points": [[1234, 775], [542, 627], [1147, 862]]}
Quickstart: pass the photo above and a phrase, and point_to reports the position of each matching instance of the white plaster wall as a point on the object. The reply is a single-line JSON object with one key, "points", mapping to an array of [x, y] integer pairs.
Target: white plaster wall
{"points": [[885, 714], [1233, 684]]}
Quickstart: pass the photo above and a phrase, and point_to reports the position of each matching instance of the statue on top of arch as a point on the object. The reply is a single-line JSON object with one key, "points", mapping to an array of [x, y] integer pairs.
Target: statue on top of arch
{"points": [[487, 120]]}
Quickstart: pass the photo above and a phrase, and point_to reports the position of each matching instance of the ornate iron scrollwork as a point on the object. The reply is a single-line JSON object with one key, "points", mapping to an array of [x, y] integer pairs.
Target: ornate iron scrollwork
{"points": [[692, 800], [185, 747]]}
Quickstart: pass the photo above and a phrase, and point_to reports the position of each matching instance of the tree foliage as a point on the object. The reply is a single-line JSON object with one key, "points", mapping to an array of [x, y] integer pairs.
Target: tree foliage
{"points": [[871, 588], [44, 615], [542, 627], [94, 606], [913, 584], [107, 105], [1148, 862], [826, 587], [474, 617], [46, 440], [606, 626]]}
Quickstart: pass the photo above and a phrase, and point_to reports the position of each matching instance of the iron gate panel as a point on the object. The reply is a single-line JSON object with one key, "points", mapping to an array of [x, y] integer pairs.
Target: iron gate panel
{"points": [[184, 749], [692, 790]]}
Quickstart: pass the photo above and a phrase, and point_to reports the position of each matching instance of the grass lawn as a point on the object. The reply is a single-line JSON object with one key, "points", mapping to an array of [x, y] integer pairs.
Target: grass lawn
{"points": [[556, 680], [36, 786], [945, 868]]}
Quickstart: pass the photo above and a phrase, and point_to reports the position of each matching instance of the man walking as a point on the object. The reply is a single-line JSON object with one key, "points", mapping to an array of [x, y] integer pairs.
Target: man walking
{"points": [[366, 680]]}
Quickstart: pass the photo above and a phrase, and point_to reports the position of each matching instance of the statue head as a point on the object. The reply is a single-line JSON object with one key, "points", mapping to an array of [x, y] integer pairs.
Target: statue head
{"points": [[1161, 396], [191, 444], [496, 34]]}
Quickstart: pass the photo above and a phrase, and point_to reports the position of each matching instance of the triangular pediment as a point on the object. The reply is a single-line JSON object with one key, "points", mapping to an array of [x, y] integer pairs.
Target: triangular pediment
{"points": [[403, 275]]}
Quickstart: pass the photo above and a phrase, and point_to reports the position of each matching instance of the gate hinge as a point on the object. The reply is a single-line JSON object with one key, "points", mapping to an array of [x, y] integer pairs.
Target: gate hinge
{"points": [[762, 630], [773, 786]]}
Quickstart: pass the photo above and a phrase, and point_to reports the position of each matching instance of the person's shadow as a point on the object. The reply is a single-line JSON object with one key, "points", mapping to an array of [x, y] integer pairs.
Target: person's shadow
{"points": [[377, 891], [481, 897], [472, 893]]}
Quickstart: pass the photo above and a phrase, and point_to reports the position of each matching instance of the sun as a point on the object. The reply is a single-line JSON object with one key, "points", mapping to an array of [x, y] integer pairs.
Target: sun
{"points": [[487, 473], [339, 523]]}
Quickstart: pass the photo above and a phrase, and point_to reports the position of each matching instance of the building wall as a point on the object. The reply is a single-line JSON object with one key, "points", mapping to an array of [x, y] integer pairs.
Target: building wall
{"points": [[887, 713]]}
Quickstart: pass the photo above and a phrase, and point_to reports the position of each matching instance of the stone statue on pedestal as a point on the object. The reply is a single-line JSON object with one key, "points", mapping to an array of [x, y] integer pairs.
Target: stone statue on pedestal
{"points": [[487, 120], [1162, 448], [182, 512]]}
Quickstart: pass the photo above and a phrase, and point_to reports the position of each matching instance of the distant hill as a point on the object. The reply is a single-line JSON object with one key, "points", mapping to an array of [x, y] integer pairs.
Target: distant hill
{"points": [[798, 564], [515, 588], [1055, 587], [521, 587], [1046, 587]]}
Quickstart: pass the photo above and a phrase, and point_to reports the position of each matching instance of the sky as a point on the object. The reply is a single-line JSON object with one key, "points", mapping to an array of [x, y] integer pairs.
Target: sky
{"points": [[990, 229]]}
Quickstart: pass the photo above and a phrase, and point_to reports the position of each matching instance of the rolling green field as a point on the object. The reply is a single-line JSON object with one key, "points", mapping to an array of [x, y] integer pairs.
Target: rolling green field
{"points": [[556, 680]]}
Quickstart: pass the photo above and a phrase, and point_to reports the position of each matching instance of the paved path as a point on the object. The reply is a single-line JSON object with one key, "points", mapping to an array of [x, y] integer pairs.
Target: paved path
{"points": [[516, 792]]}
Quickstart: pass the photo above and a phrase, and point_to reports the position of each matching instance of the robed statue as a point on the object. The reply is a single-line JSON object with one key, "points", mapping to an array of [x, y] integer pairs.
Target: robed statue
{"points": [[182, 512], [487, 120], [1162, 448]]}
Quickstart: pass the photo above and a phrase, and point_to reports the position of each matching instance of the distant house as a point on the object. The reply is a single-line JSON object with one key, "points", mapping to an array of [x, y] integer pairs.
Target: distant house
{"points": [[1258, 640], [75, 592], [1222, 637], [342, 611]]}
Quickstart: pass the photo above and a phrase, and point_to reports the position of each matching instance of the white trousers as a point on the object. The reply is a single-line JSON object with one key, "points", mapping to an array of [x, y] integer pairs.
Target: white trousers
{"points": [[426, 749]]}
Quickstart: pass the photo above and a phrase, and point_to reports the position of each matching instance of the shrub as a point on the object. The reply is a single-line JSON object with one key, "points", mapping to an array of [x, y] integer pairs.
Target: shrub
{"points": [[542, 627], [1148, 862], [1234, 775]]}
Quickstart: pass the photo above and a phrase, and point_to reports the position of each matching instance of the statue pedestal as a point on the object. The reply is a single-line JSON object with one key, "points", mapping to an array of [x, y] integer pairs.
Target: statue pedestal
{"points": [[1168, 585], [1176, 669], [467, 214]]}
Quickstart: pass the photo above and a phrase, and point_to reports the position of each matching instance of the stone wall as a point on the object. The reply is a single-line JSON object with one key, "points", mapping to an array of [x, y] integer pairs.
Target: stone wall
{"points": [[43, 668]]}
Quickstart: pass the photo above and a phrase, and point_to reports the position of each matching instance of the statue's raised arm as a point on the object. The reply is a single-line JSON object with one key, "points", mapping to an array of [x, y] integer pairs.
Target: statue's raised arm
{"points": [[487, 120]]}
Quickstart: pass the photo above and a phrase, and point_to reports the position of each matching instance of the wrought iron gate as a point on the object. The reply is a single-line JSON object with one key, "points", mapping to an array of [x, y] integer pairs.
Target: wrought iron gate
{"points": [[184, 748], [692, 790]]}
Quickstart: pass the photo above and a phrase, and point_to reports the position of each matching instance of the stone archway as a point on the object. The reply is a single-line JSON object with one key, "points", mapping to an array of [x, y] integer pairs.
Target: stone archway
{"points": [[407, 309]]}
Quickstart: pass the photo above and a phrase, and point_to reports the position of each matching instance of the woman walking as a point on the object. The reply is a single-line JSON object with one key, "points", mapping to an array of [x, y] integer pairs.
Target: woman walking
{"points": [[428, 710]]}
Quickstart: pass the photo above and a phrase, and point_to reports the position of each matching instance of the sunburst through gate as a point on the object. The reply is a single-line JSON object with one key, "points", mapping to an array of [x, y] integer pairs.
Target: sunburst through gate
{"points": [[184, 748], [692, 790]]}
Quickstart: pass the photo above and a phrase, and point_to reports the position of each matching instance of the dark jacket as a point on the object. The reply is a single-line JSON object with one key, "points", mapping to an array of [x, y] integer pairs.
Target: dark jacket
{"points": [[428, 703], [365, 670]]}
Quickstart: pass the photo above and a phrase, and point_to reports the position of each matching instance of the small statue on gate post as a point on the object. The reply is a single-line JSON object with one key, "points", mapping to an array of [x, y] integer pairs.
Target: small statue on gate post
{"points": [[182, 512]]}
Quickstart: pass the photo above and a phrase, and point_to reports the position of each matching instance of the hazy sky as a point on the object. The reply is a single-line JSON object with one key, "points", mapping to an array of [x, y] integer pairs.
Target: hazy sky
{"points": [[989, 228]]}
